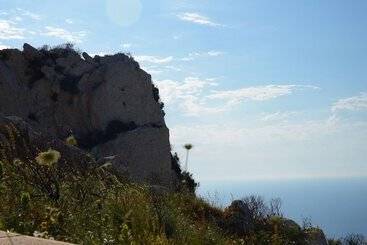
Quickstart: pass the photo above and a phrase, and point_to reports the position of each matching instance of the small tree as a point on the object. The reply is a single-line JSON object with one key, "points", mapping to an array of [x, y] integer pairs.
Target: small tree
{"points": [[276, 207]]}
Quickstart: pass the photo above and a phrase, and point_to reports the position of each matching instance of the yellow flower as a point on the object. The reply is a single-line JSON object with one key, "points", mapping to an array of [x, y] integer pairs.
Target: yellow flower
{"points": [[48, 158], [71, 140]]}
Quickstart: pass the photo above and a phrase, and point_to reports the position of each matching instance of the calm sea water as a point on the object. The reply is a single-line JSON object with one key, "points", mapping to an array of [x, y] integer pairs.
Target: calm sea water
{"points": [[338, 206]]}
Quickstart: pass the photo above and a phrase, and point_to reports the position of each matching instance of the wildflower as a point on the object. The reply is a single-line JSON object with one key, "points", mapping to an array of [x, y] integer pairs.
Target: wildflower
{"points": [[40, 234], [17, 162], [71, 140], [48, 158]]}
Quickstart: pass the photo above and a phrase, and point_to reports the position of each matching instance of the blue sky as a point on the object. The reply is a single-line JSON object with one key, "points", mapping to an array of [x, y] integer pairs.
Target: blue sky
{"points": [[262, 89]]}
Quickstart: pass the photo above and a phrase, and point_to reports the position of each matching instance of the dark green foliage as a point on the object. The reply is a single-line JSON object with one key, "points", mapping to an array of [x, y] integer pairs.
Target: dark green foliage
{"points": [[62, 50], [156, 97], [186, 181], [175, 164], [25, 198]]}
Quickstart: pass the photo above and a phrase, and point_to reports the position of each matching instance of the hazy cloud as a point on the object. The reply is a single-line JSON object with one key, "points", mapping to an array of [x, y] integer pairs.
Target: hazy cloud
{"points": [[74, 37], [194, 55], [355, 103], [278, 116], [153, 59], [197, 19], [193, 96], [258, 93], [187, 95], [29, 14], [9, 30]]}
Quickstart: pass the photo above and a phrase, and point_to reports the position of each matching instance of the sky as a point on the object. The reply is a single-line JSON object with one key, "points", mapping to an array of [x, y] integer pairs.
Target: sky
{"points": [[262, 89]]}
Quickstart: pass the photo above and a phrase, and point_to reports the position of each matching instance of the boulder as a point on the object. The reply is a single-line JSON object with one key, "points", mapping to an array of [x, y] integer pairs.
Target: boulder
{"points": [[30, 52], [238, 219], [107, 103], [128, 145]]}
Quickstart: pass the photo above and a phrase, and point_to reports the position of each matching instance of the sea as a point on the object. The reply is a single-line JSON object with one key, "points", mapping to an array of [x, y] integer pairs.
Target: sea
{"points": [[336, 205]]}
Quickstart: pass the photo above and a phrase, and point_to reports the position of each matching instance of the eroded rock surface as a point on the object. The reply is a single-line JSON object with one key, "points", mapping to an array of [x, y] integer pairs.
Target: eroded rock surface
{"points": [[108, 103]]}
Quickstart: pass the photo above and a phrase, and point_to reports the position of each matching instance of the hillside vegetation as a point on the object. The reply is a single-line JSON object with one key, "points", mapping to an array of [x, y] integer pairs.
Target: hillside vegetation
{"points": [[95, 205]]}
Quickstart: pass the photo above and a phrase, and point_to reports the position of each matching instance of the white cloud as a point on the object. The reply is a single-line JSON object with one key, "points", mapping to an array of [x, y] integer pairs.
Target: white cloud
{"points": [[197, 19], [126, 45], [153, 59], [29, 14], [195, 106], [69, 21], [173, 68], [194, 98], [194, 55], [74, 37], [278, 116], [215, 53], [9, 30], [258, 93], [187, 95], [153, 70], [355, 103], [172, 90]]}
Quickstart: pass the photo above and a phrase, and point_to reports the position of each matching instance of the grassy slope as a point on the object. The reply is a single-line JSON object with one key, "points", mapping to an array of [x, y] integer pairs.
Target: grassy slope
{"points": [[96, 206]]}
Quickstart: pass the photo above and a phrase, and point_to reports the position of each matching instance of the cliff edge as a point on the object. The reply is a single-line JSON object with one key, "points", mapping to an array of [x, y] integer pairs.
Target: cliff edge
{"points": [[109, 104]]}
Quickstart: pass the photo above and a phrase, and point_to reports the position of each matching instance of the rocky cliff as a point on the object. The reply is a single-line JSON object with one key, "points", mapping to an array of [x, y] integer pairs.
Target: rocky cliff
{"points": [[107, 103]]}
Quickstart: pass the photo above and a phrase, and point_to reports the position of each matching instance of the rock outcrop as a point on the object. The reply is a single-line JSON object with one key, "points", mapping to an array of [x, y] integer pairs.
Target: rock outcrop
{"points": [[108, 103], [315, 236], [238, 219]]}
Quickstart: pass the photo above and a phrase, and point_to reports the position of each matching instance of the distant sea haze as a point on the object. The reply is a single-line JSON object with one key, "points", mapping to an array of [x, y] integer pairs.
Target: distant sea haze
{"points": [[338, 205]]}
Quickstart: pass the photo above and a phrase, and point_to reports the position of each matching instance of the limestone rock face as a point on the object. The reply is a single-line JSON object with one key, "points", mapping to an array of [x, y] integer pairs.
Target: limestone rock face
{"points": [[108, 103]]}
